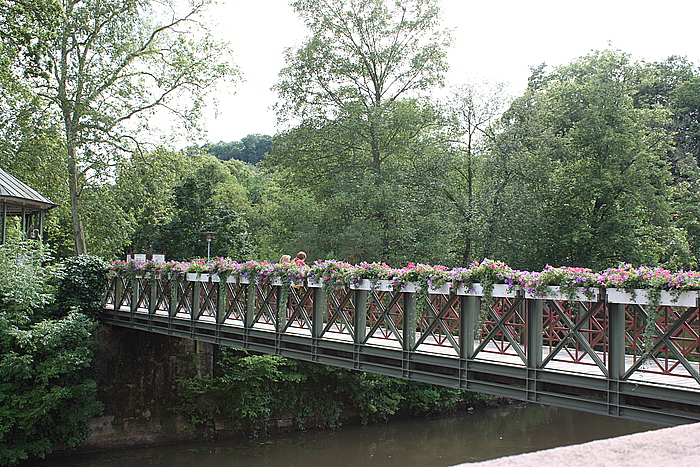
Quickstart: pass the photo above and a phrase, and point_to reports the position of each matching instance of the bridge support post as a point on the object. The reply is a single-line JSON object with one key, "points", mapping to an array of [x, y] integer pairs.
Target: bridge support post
{"points": [[118, 290], [281, 318], [360, 318], [174, 290], [221, 291], [469, 320], [318, 312], [250, 296], [153, 297], [534, 345], [616, 362], [409, 322], [196, 300], [134, 295]]}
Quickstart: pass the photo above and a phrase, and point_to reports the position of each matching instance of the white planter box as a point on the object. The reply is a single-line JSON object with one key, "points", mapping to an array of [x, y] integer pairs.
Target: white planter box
{"points": [[444, 289], [412, 287], [315, 285], [279, 282], [379, 286], [554, 292], [688, 298], [499, 290], [197, 277]]}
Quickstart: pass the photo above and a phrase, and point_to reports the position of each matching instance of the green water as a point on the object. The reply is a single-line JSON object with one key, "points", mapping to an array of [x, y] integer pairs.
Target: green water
{"points": [[436, 442]]}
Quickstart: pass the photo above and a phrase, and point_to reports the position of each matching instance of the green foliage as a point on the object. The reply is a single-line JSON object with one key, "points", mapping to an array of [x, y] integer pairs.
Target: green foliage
{"points": [[251, 389], [251, 149], [210, 199], [46, 388], [82, 286], [46, 394], [26, 280], [111, 66], [585, 168]]}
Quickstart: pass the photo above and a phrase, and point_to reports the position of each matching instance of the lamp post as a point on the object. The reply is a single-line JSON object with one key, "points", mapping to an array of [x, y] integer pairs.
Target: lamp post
{"points": [[209, 236]]}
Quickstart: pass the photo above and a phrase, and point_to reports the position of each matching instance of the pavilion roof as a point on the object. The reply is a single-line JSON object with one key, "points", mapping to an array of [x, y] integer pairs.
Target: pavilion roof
{"points": [[18, 195]]}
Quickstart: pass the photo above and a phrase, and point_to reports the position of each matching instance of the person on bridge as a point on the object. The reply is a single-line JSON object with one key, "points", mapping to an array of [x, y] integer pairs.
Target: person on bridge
{"points": [[299, 260], [285, 259]]}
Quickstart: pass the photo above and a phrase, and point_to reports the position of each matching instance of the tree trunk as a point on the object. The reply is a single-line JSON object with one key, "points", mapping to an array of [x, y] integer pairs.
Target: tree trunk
{"points": [[74, 189]]}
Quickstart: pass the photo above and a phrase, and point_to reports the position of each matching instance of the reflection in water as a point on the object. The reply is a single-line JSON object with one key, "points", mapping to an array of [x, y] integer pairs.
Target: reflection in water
{"points": [[438, 442]]}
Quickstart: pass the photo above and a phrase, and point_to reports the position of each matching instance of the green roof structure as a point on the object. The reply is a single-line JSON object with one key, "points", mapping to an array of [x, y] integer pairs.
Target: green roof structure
{"points": [[17, 199]]}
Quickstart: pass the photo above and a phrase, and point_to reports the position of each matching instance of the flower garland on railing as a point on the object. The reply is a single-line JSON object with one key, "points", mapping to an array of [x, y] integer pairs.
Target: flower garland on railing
{"points": [[339, 274], [334, 275]]}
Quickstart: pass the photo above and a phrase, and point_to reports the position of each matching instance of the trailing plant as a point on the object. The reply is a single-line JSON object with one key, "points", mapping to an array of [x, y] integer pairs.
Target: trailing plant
{"points": [[653, 281], [571, 281], [425, 278], [487, 273]]}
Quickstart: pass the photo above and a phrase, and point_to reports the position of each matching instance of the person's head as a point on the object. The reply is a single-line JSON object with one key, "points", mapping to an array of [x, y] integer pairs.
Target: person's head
{"points": [[301, 255], [286, 259]]}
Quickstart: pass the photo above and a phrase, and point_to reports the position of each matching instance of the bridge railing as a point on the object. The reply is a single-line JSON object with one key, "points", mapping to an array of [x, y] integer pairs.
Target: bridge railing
{"points": [[611, 334]]}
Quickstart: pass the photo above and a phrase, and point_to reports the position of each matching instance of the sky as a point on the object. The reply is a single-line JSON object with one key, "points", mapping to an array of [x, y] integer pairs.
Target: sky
{"points": [[494, 40]]}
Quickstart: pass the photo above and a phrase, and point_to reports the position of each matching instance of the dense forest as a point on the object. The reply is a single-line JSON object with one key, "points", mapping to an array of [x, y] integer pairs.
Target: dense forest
{"points": [[594, 164]]}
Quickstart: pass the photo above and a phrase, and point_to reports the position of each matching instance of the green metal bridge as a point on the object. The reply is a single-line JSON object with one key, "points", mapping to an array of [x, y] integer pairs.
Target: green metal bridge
{"points": [[588, 354]]}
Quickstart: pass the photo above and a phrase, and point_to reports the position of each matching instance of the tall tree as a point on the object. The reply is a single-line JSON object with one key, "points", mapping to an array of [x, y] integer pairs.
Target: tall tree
{"points": [[473, 111], [363, 57], [352, 96], [587, 167], [114, 61], [209, 199]]}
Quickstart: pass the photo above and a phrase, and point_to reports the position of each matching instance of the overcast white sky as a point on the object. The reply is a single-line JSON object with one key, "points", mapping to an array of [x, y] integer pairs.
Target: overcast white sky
{"points": [[496, 40]]}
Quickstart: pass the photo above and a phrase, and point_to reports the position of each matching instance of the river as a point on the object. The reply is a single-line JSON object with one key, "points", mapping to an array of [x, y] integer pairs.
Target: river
{"points": [[436, 442]]}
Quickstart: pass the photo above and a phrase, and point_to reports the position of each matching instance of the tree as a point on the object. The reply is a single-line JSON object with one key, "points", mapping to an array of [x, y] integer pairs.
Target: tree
{"points": [[209, 199], [255, 147], [353, 96], [363, 57], [114, 61], [473, 111], [26, 29], [251, 149], [142, 195], [588, 168]]}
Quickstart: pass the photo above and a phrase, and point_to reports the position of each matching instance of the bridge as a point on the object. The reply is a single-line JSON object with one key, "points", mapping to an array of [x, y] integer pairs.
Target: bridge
{"points": [[588, 354]]}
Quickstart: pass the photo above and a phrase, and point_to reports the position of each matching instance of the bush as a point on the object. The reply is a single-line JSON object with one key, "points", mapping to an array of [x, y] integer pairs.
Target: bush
{"points": [[81, 286], [251, 389], [46, 390]]}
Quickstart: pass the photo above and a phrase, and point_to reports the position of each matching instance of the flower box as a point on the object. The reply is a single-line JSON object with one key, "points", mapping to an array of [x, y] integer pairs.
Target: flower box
{"points": [[278, 282], [379, 286], [413, 287], [476, 290], [312, 283], [687, 298], [202, 277], [555, 292]]}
